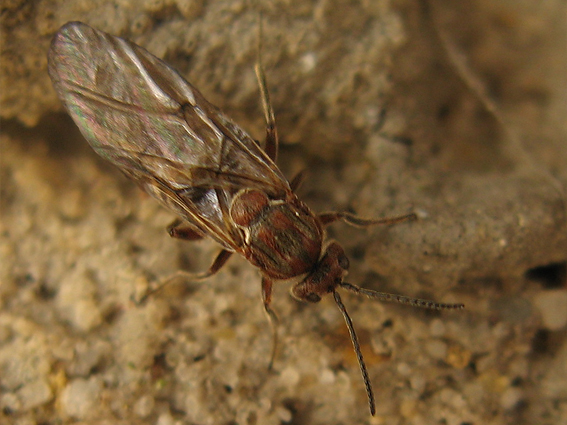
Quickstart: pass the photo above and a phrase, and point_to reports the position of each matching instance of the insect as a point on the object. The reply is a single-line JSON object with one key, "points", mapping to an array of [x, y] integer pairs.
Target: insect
{"points": [[141, 115]]}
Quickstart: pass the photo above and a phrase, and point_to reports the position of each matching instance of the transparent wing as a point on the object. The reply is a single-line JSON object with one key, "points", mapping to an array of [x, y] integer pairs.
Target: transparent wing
{"points": [[140, 114]]}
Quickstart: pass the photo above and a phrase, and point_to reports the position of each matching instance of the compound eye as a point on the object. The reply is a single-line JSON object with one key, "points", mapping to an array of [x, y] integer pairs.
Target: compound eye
{"points": [[313, 298]]}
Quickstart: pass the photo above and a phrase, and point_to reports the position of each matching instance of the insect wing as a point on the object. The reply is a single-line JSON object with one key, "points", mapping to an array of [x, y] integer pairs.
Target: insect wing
{"points": [[140, 114]]}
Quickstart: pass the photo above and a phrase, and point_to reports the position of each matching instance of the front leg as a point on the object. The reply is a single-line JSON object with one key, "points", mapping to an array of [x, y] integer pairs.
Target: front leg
{"points": [[353, 220], [267, 299]]}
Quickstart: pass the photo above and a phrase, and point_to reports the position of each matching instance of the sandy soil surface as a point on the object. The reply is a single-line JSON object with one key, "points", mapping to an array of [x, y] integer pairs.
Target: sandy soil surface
{"points": [[453, 110]]}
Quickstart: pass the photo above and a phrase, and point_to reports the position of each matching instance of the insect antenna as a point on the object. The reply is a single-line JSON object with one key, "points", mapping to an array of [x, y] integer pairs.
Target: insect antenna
{"points": [[356, 345], [400, 299], [382, 296]]}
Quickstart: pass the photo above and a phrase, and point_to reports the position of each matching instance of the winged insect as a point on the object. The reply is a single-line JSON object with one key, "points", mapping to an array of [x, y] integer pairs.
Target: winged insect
{"points": [[141, 115]]}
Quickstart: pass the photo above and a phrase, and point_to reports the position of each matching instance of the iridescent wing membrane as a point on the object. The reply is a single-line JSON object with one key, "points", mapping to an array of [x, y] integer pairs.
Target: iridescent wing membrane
{"points": [[140, 114]]}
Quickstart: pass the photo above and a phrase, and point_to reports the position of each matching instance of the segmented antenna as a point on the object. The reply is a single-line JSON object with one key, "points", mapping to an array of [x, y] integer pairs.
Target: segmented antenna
{"points": [[401, 299], [382, 296], [356, 345]]}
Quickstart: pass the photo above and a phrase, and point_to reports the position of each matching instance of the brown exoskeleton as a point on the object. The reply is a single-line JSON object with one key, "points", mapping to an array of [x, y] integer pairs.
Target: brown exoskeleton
{"points": [[140, 114]]}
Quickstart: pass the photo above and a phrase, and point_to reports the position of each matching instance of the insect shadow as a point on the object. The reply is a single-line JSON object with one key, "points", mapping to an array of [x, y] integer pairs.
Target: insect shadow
{"points": [[140, 114]]}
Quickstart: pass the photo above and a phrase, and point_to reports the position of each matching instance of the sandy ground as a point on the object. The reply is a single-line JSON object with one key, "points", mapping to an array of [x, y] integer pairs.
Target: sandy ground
{"points": [[454, 111]]}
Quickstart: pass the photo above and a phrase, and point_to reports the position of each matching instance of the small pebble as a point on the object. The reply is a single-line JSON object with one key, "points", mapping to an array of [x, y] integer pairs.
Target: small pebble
{"points": [[290, 377], [552, 306], [10, 402], [458, 356], [80, 398], [437, 328], [436, 349], [284, 414], [511, 398], [165, 419], [404, 369], [418, 383], [34, 394], [144, 406]]}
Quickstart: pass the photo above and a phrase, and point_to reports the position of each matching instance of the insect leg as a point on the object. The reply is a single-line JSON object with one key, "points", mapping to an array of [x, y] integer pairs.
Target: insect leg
{"points": [[353, 220], [267, 299], [219, 261], [271, 143], [188, 233]]}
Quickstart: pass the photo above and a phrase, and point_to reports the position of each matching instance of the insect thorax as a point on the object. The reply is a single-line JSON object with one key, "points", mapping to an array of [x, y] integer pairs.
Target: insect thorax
{"points": [[283, 238]]}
